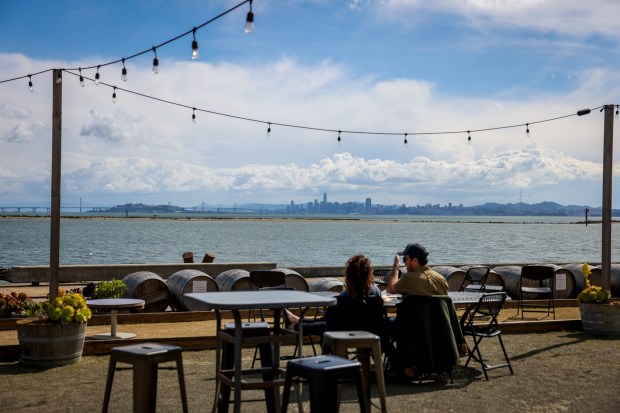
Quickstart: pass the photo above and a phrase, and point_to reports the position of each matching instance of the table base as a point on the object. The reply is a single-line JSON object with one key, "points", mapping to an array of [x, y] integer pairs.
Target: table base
{"points": [[108, 336]]}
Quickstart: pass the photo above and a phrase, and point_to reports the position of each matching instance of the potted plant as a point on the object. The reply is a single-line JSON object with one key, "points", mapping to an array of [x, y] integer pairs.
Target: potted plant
{"points": [[600, 315], [14, 305], [55, 335]]}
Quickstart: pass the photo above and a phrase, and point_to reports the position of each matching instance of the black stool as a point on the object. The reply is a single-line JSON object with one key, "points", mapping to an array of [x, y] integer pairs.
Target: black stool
{"points": [[323, 374], [145, 359]]}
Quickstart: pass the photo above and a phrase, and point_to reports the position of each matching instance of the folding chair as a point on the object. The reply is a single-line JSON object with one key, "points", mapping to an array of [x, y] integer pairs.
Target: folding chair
{"points": [[540, 281], [489, 306], [475, 279]]}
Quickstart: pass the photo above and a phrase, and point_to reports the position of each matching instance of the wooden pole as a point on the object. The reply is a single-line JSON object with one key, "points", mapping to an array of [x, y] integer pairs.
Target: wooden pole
{"points": [[607, 192], [55, 192]]}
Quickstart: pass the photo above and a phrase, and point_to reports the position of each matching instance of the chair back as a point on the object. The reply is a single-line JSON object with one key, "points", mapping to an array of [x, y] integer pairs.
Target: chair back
{"points": [[489, 306], [538, 273], [428, 333], [359, 313], [476, 276], [265, 280]]}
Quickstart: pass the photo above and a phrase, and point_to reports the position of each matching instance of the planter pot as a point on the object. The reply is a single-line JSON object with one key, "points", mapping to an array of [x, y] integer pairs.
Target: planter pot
{"points": [[50, 345], [600, 319]]}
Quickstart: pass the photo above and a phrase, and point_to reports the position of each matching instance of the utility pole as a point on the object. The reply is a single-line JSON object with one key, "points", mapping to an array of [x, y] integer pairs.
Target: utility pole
{"points": [[55, 192], [608, 151]]}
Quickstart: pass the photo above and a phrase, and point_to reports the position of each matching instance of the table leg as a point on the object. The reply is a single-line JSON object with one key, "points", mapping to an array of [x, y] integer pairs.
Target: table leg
{"points": [[238, 360], [113, 322], [218, 364]]}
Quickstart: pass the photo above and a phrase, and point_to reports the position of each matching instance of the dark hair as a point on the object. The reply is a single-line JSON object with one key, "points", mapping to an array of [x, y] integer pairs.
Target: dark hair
{"points": [[358, 275]]}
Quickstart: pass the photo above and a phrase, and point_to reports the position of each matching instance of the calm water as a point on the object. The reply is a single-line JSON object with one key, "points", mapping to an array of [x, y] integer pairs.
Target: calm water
{"points": [[296, 242]]}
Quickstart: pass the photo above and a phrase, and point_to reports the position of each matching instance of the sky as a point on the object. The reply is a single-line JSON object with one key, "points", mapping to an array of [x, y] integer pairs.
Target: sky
{"points": [[421, 70]]}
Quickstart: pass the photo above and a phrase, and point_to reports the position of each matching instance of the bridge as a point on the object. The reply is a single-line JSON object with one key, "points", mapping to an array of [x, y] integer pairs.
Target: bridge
{"points": [[48, 209]]}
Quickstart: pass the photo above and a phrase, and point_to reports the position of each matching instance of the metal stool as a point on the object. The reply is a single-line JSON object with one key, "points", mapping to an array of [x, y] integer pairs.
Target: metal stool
{"points": [[364, 343], [145, 359], [323, 374]]}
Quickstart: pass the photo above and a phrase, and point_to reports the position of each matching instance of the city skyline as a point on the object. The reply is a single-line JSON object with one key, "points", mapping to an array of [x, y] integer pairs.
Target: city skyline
{"points": [[416, 75]]}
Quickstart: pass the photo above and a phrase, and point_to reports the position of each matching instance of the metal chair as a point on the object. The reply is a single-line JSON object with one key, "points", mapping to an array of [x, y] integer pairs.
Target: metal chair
{"points": [[538, 280], [488, 306], [475, 279]]}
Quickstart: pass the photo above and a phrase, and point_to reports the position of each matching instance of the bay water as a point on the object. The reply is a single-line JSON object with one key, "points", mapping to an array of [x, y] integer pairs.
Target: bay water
{"points": [[302, 241]]}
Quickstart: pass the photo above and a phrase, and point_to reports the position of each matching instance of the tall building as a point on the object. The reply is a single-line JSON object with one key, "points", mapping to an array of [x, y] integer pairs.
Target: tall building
{"points": [[368, 204]]}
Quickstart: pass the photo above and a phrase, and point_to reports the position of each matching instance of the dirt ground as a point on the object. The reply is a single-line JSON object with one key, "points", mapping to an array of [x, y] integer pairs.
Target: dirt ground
{"points": [[562, 371]]}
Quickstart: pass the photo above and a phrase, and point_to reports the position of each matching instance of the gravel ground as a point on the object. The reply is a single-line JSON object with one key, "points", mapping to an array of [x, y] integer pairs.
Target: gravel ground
{"points": [[553, 372]]}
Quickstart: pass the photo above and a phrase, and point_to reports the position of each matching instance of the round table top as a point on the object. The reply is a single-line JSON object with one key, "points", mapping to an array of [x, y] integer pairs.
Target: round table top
{"points": [[116, 303]]}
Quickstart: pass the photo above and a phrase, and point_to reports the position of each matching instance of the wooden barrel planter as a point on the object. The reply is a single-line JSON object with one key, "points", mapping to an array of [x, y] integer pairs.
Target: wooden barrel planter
{"points": [[233, 280], [600, 319], [580, 282], [47, 345], [188, 281], [294, 279], [453, 275], [327, 284], [150, 287]]}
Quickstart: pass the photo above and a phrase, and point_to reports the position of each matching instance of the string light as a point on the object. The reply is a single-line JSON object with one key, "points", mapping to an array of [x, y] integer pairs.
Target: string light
{"points": [[406, 139], [527, 130], [114, 95], [339, 140], [468, 137], [59, 77], [30, 83], [194, 115], [124, 72], [97, 77], [82, 79], [155, 62], [249, 20], [617, 110], [194, 45], [269, 129]]}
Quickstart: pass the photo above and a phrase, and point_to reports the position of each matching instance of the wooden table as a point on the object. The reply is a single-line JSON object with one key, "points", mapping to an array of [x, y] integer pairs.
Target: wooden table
{"points": [[235, 301], [114, 304]]}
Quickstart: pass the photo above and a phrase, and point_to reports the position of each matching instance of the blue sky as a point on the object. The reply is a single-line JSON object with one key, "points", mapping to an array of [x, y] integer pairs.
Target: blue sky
{"points": [[397, 66]]}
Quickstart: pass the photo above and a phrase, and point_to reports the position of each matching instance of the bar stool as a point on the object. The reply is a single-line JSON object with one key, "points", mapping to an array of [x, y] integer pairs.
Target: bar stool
{"points": [[145, 359], [323, 374], [365, 344]]}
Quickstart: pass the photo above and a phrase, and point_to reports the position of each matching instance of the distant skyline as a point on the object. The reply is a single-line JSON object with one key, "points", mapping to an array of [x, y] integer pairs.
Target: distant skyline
{"points": [[354, 65]]}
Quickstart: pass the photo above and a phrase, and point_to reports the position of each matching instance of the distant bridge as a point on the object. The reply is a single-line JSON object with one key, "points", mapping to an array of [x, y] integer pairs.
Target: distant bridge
{"points": [[48, 209]]}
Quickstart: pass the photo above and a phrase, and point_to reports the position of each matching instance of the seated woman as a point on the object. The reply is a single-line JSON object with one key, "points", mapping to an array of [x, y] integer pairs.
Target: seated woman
{"points": [[360, 306]]}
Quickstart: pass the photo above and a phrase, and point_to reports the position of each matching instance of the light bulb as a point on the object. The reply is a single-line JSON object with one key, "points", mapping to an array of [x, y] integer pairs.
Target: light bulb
{"points": [[155, 66], [269, 130], [59, 78], [97, 77], [30, 83], [124, 75], [527, 130], [194, 49], [194, 115], [114, 96], [249, 23]]}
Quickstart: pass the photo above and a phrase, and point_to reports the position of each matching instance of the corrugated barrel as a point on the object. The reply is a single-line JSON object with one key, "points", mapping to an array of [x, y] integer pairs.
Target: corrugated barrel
{"points": [[327, 284], [149, 287], [580, 281], [565, 285], [233, 280], [294, 279], [453, 275], [511, 275], [188, 281], [615, 280]]}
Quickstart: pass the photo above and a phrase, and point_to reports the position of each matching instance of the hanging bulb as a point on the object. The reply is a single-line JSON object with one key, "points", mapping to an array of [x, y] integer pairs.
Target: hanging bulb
{"points": [[155, 62], [32, 89], [405, 139], [339, 140], [114, 95], [468, 138], [59, 77], [194, 45], [249, 20], [81, 78], [194, 115], [527, 130], [124, 72], [617, 106], [97, 77], [269, 130]]}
